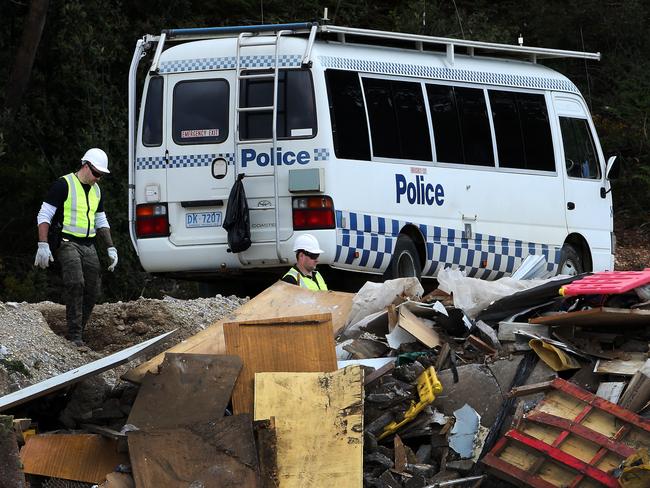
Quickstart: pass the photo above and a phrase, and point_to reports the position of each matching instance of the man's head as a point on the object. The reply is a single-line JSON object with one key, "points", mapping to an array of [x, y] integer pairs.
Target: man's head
{"points": [[307, 252], [94, 165]]}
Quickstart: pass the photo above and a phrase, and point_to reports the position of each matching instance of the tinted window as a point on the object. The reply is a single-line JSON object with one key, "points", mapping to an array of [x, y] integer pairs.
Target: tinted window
{"points": [[579, 151], [461, 127], [522, 130], [296, 113], [153, 113], [398, 122], [348, 115], [200, 112]]}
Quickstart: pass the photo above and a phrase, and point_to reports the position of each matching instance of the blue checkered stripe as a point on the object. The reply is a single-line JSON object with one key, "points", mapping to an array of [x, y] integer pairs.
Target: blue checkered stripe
{"points": [[321, 154], [182, 161], [229, 62], [484, 256], [449, 74]]}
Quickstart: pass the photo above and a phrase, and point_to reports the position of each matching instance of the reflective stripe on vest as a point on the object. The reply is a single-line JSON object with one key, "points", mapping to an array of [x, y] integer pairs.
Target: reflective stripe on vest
{"points": [[318, 285], [79, 209]]}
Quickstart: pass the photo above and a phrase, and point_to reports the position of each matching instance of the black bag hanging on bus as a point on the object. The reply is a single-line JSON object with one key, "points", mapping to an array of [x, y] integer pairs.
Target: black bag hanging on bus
{"points": [[237, 221]]}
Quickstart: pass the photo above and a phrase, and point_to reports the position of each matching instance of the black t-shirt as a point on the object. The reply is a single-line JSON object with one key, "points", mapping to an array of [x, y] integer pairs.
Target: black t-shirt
{"points": [[57, 195]]}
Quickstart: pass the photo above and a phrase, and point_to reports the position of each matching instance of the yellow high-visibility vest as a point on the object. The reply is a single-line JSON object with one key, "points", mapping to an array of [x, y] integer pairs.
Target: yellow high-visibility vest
{"points": [[79, 208], [314, 285]]}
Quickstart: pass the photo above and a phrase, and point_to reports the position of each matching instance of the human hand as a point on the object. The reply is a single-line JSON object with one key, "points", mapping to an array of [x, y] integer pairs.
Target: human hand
{"points": [[112, 254], [43, 255]]}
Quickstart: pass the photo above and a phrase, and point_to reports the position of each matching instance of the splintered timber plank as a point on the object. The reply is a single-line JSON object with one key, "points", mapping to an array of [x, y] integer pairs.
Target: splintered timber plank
{"points": [[279, 300], [220, 453], [319, 424], [290, 344], [602, 316], [189, 389], [266, 440], [79, 457]]}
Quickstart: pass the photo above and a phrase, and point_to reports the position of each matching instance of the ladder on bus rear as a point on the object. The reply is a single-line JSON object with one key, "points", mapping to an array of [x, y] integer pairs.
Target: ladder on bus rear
{"points": [[247, 40]]}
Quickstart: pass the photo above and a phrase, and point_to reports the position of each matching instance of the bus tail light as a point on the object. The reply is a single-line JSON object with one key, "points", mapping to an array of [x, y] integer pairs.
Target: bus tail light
{"points": [[313, 213], [151, 220]]}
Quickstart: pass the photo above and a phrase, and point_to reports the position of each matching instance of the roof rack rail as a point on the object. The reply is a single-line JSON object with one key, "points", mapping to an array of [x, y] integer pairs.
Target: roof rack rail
{"points": [[342, 33]]}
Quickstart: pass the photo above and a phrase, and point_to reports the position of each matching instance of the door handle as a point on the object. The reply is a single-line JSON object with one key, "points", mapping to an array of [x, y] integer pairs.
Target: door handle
{"points": [[167, 156], [570, 205]]}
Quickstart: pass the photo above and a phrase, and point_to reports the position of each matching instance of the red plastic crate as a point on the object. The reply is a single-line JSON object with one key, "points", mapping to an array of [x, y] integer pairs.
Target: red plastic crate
{"points": [[607, 283]]}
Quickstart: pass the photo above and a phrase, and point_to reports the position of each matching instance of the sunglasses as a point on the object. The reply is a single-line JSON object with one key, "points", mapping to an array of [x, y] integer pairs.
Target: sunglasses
{"points": [[311, 255], [95, 173]]}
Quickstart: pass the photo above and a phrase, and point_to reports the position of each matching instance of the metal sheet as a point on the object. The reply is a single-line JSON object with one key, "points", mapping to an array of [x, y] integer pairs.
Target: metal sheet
{"points": [[77, 374]]}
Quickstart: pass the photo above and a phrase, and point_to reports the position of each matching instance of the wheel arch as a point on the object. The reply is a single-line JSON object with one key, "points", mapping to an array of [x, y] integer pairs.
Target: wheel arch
{"points": [[416, 236], [582, 246]]}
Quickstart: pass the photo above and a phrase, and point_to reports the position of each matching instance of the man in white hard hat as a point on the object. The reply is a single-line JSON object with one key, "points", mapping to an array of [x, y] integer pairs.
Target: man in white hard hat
{"points": [[304, 272], [70, 217]]}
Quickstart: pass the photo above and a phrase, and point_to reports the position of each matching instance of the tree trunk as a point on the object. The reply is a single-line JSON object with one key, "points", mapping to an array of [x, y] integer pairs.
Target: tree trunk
{"points": [[26, 53]]}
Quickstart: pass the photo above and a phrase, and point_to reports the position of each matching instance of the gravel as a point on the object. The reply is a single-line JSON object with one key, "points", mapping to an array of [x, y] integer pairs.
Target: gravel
{"points": [[32, 348]]}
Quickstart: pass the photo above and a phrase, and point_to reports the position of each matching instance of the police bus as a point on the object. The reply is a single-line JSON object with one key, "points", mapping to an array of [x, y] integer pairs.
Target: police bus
{"points": [[403, 154]]}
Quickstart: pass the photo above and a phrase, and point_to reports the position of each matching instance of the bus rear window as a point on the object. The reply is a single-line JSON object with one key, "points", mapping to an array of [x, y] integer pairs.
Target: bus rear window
{"points": [[152, 124], [200, 112], [522, 130], [461, 128], [348, 115], [296, 110]]}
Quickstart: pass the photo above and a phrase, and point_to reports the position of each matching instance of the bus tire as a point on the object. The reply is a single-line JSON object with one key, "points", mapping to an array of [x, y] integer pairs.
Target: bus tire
{"points": [[405, 261], [570, 261]]}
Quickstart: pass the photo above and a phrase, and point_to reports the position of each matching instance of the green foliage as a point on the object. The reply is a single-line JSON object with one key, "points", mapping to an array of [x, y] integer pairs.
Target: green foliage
{"points": [[77, 95]]}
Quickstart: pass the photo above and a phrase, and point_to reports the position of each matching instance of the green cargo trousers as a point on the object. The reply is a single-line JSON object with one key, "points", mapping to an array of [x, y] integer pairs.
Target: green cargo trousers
{"points": [[80, 272]]}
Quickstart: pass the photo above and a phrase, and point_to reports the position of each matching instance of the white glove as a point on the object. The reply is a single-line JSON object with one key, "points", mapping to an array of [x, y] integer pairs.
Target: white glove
{"points": [[43, 255], [112, 254]]}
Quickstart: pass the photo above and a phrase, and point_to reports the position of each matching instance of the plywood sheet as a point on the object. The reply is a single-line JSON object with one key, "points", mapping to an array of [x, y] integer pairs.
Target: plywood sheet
{"points": [[626, 366], [290, 344], [215, 454], [603, 316], [319, 425], [189, 389], [79, 457], [416, 327], [279, 300]]}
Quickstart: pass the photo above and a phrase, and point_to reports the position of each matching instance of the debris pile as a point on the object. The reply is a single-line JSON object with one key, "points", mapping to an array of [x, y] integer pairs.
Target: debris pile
{"points": [[524, 382]]}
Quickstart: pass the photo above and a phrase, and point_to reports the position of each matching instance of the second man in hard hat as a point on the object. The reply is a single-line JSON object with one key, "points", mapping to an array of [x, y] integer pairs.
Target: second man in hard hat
{"points": [[304, 272], [75, 209]]}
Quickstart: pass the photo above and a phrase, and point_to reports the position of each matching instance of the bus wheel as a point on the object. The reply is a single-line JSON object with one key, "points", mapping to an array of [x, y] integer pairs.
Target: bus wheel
{"points": [[406, 261], [570, 261]]}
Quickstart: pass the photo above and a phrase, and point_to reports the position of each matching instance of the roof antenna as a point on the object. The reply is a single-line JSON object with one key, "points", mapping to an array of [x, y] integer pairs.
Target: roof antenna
{"points": [[586, 71], [520, 40], [325, 20], [262, 10]]}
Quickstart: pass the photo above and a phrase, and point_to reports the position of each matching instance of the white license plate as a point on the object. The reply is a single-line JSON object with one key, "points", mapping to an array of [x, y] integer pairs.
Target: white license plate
{"points": [[203, 219]]}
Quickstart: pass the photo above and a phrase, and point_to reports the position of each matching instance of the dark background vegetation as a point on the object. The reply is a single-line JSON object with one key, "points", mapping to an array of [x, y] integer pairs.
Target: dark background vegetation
{"points": [[74, 95]]}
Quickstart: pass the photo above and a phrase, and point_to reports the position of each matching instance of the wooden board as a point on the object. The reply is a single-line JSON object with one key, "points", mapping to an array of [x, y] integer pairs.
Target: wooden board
{"points": [[79, 457], [572, 438], [417, 328], [602, 316], [625, 366], [319, 425], [189, 389], [290, 344], [279, 300], [217, 454]]}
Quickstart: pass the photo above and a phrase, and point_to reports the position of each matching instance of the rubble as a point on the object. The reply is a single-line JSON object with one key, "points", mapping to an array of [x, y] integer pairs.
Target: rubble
{"points": [[536, 381]]}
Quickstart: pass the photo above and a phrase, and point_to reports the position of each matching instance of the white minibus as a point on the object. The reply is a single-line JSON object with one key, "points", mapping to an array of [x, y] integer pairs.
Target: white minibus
{"points": [[403, 154]]}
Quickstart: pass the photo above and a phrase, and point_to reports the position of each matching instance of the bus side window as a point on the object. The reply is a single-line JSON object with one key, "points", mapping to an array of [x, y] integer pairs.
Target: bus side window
{"points": [[200, 112], [152, 124], [296, 110], [522, 130], [460, 125], [579, 152], [348, 115], [398, 121]]}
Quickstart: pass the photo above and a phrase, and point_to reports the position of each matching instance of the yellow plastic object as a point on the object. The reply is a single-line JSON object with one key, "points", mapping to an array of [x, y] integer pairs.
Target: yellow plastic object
{"points": [[557, 359], [636, 470], [428, 387]]}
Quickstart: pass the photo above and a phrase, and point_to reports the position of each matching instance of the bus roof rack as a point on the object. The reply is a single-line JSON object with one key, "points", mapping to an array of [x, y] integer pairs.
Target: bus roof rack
{"points": [[343, 35]]}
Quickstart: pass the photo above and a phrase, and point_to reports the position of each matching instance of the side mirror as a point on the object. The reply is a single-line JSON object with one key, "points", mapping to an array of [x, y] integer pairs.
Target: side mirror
{"points": [[612, 169]]}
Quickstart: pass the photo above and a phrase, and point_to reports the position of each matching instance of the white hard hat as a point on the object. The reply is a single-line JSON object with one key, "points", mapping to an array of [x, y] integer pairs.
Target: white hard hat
{"points": [[97, 158], [307, 242]]}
